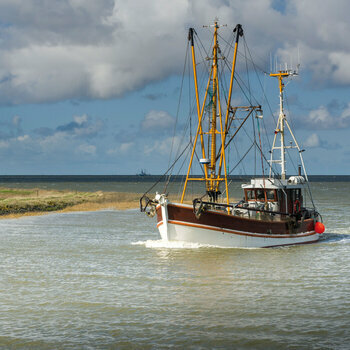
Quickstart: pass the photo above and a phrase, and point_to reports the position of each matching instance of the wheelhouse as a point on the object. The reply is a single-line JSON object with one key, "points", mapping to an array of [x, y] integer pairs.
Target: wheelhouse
{"points": [[276, 195]]}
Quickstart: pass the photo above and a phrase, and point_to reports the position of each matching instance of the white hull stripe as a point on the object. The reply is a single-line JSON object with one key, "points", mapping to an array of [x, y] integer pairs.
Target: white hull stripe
{"points": [[243, 233]]}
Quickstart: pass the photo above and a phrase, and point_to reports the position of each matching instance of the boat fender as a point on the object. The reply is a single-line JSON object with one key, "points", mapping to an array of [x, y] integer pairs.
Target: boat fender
{"points": [[319, 227], [297, 206]]}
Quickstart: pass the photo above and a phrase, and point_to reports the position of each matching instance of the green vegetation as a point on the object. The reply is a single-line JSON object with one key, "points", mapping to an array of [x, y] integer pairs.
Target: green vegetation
{"points": [[17, 201]]}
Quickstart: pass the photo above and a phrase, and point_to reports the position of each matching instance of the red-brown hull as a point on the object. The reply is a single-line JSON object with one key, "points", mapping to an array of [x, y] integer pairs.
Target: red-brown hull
{"points": [[231, 222], [182, 224]]}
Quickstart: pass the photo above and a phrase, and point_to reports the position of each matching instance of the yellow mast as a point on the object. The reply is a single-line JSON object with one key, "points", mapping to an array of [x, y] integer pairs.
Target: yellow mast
{"points": [[199, 113], [239, 32], [213, 130], [214, 178]]}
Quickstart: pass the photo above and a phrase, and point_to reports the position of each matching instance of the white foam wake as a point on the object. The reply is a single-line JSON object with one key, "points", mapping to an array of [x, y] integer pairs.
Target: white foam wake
{"points": [[172, 244]]}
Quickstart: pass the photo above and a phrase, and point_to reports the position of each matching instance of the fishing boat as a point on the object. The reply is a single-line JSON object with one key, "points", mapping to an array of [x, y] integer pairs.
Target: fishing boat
{"points": [[273, 211]]}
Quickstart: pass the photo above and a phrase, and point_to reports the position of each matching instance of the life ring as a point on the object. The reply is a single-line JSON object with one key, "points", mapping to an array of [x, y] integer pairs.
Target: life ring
{"points": [[297, 206]]}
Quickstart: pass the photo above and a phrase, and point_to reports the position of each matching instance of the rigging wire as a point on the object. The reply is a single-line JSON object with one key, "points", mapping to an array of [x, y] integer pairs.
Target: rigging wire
{"points": [[246, 65], [241, 84], [240, 54], [170, 168], [191, 109], [295, 168], [178, 105]]}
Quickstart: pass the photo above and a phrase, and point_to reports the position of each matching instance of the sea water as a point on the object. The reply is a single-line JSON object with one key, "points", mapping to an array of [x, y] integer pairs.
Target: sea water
{"points": [[104, 280]]}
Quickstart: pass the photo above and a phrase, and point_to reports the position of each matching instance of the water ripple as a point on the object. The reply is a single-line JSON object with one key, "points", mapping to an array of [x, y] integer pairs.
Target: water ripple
{"points": [[88, 280]]}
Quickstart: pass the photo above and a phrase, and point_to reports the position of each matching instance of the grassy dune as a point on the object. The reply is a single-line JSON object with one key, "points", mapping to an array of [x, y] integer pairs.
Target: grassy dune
{"points": [[19, 202], [16, 202]]}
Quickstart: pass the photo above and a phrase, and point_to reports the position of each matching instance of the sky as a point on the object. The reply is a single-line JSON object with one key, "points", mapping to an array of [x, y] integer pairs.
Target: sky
{"points": [[92, 87]]}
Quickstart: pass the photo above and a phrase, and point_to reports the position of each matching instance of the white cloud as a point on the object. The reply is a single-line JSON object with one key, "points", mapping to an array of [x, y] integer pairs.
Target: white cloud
{"points": [[80, 119], [312, 141], [162, 146], [322, 118], [103, 49], [23, 138], [157, 121], [82, 126], [16, 120], [86, 149], [4, 144], [122, 149]]}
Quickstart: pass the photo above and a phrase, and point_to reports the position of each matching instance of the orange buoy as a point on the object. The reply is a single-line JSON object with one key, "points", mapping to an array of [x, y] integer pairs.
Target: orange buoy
{"points": [[319, 227]]}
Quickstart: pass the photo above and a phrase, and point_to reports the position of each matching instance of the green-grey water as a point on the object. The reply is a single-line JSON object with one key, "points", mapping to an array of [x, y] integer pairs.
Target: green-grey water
{"points": [[104, 280]]}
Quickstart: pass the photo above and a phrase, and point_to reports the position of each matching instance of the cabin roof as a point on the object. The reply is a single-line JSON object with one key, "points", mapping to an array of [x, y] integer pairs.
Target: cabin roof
{"points": [[273, 183]]}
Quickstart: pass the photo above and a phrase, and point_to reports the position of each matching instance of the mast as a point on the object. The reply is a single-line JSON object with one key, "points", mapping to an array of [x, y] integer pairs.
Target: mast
{"points": [[212, 173], [213, 130], [239, 32], [199, 112], [281, 120], [280, 128]]}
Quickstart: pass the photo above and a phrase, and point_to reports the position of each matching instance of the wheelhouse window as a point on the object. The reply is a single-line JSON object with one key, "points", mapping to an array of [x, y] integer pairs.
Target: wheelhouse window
{"points": [[270, 195], [250, 195], [261, 195]]}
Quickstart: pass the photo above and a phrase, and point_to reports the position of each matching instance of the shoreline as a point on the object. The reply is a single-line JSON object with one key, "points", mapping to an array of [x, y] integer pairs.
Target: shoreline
{"points": [[20, 202], [73, 209], [16, 203]]}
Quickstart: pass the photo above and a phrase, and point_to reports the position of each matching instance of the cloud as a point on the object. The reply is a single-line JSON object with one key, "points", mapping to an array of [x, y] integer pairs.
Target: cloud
{"points": [[122, 149], [10, 128], [81, 126], [4, 144], [157, 122], [86, 149], [322, 118], [76, 49], [69, 140], [312, 141], [23, 138], [162, 146]]}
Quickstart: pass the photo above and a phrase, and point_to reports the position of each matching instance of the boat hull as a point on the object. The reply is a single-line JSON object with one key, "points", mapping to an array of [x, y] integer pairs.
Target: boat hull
{"points": [[177, 222]]}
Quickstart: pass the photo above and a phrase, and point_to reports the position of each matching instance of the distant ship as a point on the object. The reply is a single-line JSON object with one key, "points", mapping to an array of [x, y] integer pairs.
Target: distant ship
{"points": [[143, 172], [273, 211]]}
